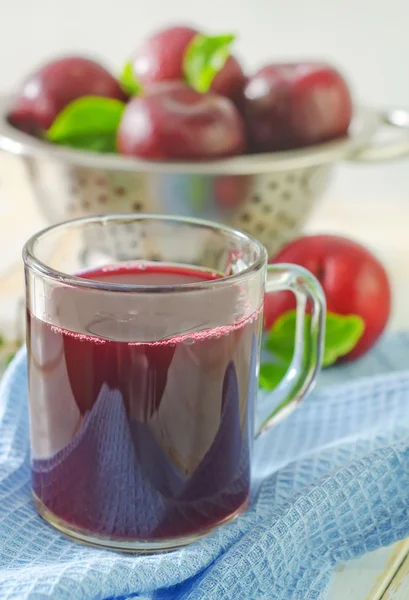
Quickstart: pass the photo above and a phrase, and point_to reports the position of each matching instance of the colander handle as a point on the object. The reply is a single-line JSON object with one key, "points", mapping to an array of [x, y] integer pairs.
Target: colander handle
{"points": [[384, 151], [309, 341]]}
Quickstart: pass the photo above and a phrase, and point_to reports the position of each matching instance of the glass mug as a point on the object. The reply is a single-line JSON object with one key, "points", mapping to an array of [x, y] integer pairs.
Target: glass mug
{"points": [[143, 336]]}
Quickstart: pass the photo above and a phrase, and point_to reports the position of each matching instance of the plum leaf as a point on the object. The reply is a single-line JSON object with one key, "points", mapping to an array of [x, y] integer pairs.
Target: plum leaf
{"points": [[271, 374], [89, 123], [342, 333], [128, 81], [204, 58]]}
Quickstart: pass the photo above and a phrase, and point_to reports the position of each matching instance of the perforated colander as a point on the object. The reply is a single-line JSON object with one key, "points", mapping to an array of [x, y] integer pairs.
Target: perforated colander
{"points": [[268, 196]]}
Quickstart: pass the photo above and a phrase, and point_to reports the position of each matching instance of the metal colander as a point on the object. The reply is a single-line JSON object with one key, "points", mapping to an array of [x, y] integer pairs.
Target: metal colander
{"points": [[268, 196]]}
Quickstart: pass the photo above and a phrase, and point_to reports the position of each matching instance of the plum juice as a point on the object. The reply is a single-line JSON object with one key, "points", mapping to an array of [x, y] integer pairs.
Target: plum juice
{"points": [[142, 439]]}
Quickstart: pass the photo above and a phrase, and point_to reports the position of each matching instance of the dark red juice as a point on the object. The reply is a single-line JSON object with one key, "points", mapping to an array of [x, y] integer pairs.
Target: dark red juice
{"points": [[141, 439]]}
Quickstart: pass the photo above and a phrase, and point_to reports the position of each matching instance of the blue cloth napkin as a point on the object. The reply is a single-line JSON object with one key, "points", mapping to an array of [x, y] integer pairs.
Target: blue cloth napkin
{"points": [[330, 483]]}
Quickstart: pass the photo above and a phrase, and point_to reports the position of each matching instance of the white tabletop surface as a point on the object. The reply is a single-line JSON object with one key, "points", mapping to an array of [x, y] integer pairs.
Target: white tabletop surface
{"points": [[368, 203]]}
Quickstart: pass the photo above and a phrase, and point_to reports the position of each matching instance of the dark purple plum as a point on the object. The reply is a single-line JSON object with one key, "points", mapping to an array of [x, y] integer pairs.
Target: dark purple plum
{"points": [[173, 121], [294, 105], [50, 88], [160, 58]]}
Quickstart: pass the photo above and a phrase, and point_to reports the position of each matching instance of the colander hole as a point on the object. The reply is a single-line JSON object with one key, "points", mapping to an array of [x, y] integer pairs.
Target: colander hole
{"points": [[154, 257], [131, 235], [102, 198], [304, 181], [273, 185], [291, 178], [267, 208], [137, 206], [259, 228], [120, 190], [245, 217], [255, 198], [100, 180], [286, 195], [285, 220], [85, 204]]}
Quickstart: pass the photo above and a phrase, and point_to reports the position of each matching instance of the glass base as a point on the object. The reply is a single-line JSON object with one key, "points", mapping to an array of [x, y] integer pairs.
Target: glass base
{"points": [[127, 545]]}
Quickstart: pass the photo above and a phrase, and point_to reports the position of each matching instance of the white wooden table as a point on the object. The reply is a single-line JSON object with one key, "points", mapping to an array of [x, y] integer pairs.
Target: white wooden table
{"points": [[366, 203]]}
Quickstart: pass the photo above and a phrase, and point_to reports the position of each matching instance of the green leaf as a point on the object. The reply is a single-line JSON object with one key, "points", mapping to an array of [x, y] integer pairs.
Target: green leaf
{"points": [[271, 374], [204, 57], [93, 142], [1, 340], [281, 337], [89, 123], [128, 80], [342, 333]]}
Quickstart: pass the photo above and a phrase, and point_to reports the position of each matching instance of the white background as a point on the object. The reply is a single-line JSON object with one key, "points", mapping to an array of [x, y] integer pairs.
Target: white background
{"points": [[368, 39]]}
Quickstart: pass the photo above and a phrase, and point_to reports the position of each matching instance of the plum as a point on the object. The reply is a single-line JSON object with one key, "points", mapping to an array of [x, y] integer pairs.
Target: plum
{"points": [[294, 105], [266, 108], [160, 58], [173, 121], [353, 279], [230, 80], [49, 89]]}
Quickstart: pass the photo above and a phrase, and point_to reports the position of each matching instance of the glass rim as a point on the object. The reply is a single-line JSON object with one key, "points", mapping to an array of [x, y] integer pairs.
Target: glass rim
{"points": [[41, 268]]}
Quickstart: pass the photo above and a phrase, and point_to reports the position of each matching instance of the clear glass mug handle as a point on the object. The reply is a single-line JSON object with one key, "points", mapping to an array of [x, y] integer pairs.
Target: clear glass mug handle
{"points": [[309, 346]]}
